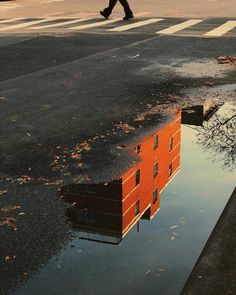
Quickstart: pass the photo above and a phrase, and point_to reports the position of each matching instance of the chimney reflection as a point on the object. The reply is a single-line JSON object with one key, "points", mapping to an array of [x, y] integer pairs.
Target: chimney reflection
{"points": [[197, 114], [106, 212]]}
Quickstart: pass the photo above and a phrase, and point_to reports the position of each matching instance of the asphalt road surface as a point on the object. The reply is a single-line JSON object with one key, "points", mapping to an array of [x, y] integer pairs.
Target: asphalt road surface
{"points": [[61, 88]]}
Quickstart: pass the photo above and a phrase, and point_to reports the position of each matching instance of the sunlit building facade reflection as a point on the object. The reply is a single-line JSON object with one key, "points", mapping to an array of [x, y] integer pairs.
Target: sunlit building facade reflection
{"points": [[106, 212]]}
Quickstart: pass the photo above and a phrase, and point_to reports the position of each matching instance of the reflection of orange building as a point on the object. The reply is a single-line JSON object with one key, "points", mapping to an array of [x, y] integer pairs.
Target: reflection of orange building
{"points": [[112, 209]]}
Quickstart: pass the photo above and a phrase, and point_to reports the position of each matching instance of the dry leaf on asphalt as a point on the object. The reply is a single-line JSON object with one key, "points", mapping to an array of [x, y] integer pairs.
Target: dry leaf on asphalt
{"points": [[10, 257], [3, 192], [10, 208], [9, 221]]}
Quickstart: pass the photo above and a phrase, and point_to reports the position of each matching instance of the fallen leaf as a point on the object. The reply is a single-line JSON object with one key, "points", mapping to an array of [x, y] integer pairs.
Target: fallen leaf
{"points": [[75, 156], [177, 84], [51, 182], [3, 98], [174, 226], [210, 84], [3, 192], [10, 257], [80, 165], [9, 221], [10, 208], [226, 60], [139, 118], [122, 146], [135, 56]]}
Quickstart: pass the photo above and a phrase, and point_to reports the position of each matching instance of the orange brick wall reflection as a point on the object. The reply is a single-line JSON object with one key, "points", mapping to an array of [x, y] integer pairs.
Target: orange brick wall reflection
{"points": [[165, 155], [114, 208]]}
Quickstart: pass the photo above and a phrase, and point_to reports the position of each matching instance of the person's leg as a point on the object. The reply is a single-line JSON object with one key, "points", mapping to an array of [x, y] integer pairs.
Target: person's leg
{"points": [[109, 9], [125, 4]]}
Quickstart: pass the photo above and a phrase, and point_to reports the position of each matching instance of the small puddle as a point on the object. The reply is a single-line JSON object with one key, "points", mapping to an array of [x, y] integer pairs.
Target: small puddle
{"points": [[143, 232]]}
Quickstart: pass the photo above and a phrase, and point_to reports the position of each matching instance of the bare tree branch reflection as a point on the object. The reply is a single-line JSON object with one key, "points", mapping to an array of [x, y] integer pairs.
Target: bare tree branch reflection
{"points": [[218, 136]]}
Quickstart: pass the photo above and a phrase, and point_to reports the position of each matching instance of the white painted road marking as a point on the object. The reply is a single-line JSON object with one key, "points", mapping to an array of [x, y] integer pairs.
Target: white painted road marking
{"points": [[102, 23], [95, 25], [61, 23], [9, 25], [26, 24], [136, 25], [10, 20], [179, 27], [221, 30]]}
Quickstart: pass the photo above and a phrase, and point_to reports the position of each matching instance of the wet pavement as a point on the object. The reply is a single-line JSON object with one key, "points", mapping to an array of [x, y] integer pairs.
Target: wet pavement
{"points": [[214, 272], [114, 177]]}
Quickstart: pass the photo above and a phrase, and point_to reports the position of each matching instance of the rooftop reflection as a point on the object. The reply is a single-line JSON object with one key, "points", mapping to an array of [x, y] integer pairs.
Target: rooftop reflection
{"points": [[106, 212]]}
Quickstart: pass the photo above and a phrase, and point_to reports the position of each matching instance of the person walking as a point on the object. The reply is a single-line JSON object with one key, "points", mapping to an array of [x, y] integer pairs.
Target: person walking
{"points": [[107, 11]]}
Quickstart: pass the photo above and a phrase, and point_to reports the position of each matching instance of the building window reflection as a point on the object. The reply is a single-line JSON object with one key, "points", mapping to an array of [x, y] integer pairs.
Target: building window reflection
{"points": [[137, 177], [155, 193], [155, 170], [155, 142], [138, 149], [137, 207], [170, 169], [171, 144]]}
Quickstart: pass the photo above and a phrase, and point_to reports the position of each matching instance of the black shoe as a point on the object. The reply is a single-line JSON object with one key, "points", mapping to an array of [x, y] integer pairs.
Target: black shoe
{"points": [[106, 16], [128, 16]]}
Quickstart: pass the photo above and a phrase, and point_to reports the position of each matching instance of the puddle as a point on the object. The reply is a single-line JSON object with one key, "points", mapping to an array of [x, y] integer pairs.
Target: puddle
{"points": [[143, 232]]}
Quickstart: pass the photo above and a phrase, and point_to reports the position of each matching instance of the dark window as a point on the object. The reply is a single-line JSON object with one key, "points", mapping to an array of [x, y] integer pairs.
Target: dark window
{"points": [[137, 177], [137, 205], [170, 169], [155, 170], [138, 149], [171, 144], [155, 193], [155, 142]]}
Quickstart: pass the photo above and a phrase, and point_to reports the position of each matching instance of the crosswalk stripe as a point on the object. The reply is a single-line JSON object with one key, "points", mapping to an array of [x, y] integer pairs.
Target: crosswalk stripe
{"points": [[102, 23], [10, 20], [94, 25], [136, 25], [221, 30], [179, 27], [61, 24], [8, 25], [25, 24]]}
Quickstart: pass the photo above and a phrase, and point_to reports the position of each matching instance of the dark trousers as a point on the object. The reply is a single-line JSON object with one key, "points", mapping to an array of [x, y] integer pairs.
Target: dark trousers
{"points": [[112, 4]]}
